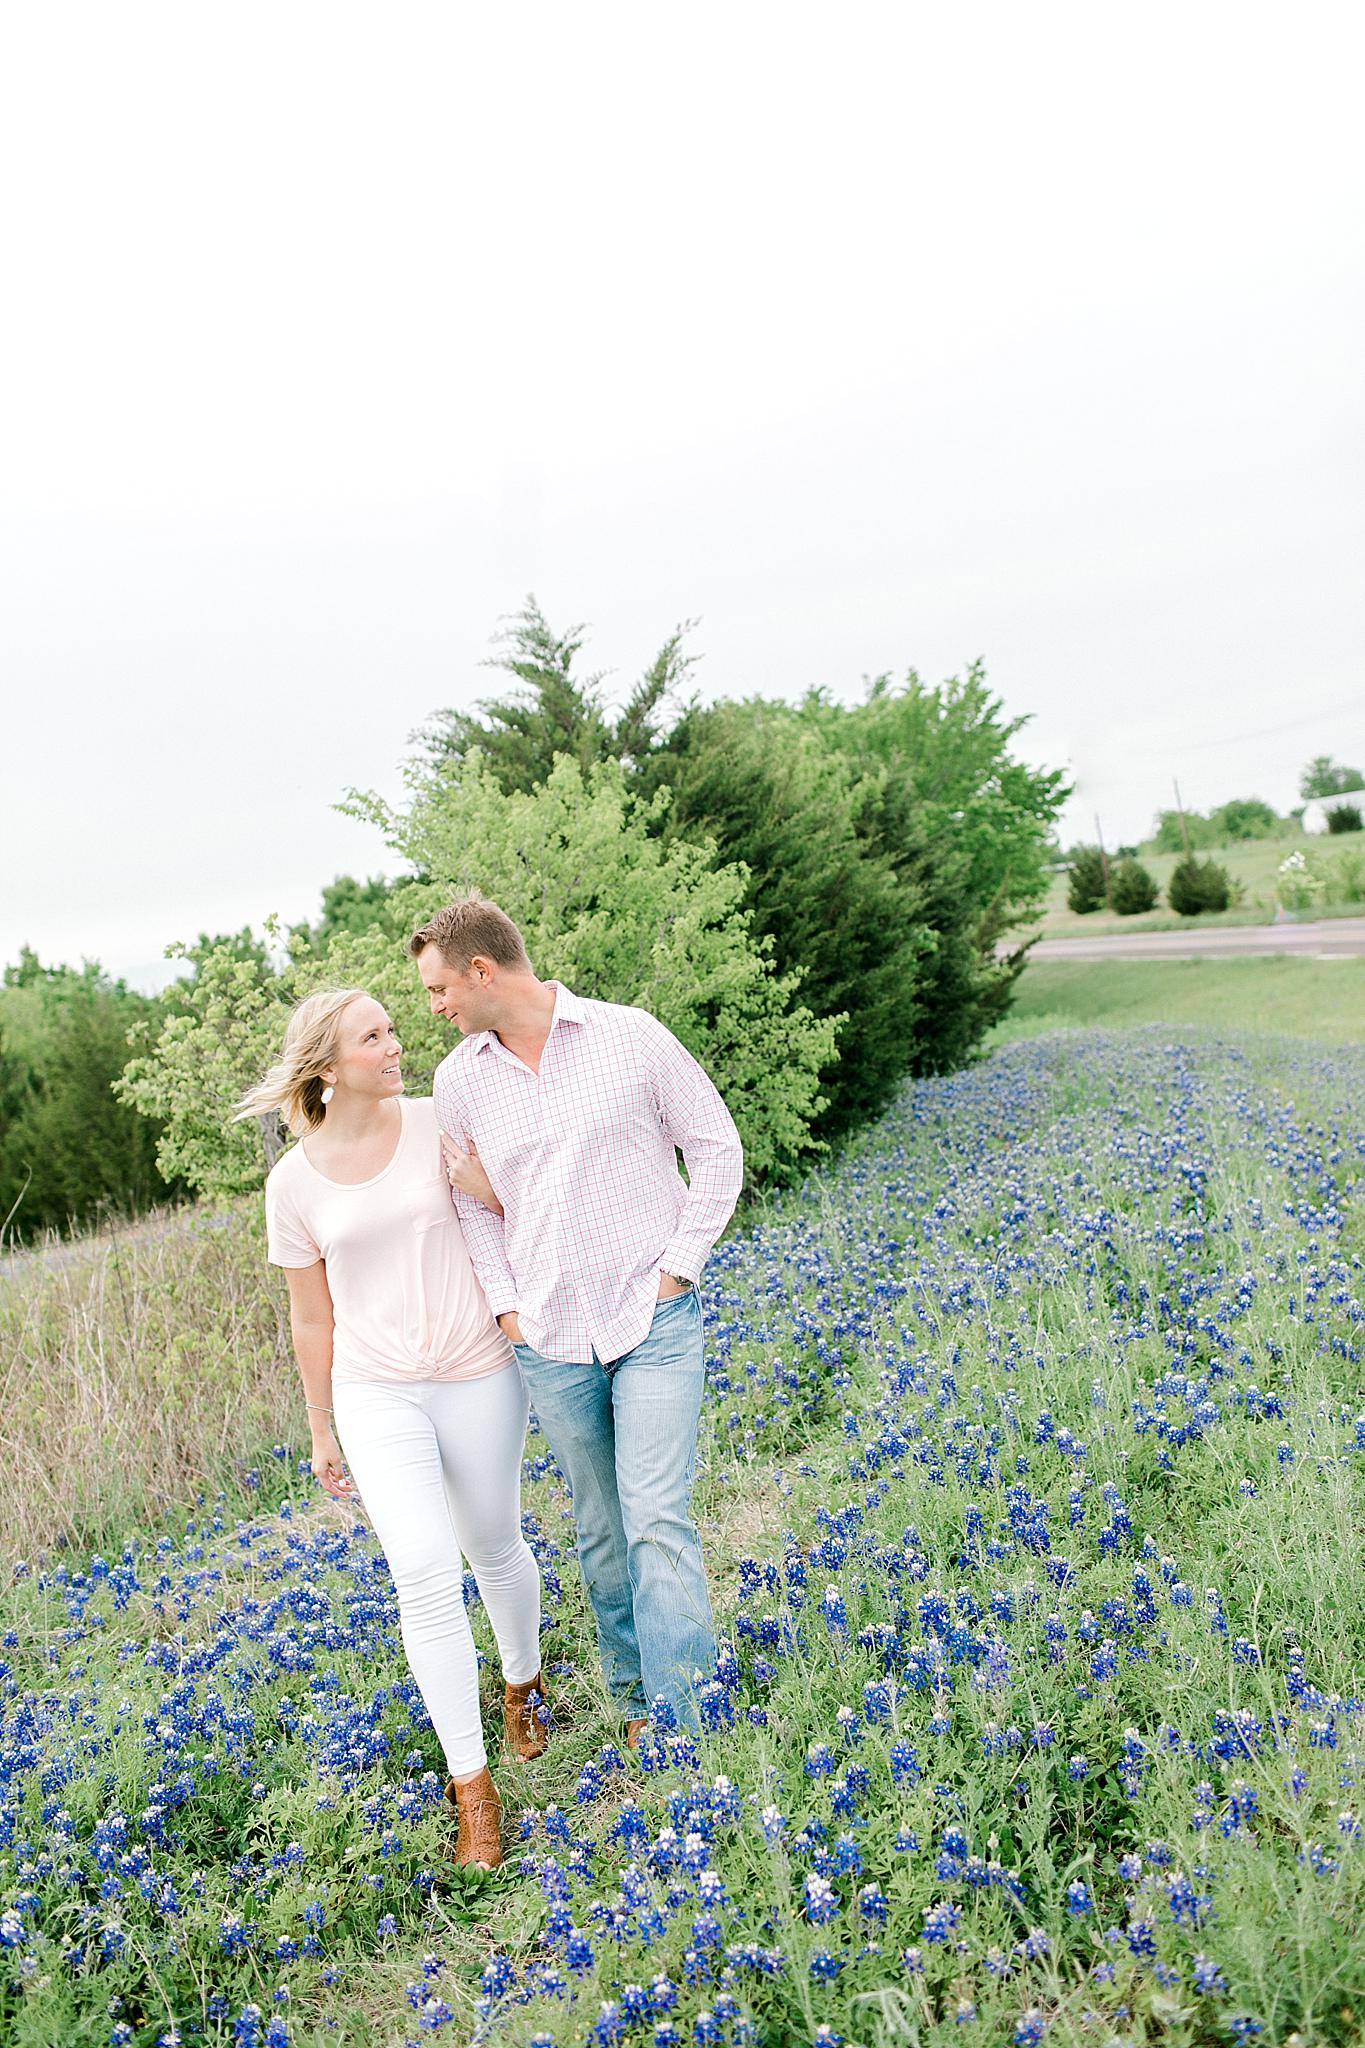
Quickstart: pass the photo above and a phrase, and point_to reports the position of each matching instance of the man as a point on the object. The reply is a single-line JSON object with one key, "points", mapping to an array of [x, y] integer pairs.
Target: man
{"points": [[577, 1110]]}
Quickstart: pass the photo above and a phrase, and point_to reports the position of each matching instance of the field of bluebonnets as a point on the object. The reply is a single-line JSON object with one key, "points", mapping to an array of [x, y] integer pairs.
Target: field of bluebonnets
{"points": [[1033, 1500]]}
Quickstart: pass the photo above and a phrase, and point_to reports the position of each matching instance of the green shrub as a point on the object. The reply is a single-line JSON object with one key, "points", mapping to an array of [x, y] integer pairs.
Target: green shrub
{"points": [[1346, 876], [1345, 818], [1085, 890], [605, 904], [1305, 880], [1198, 885], [1132, 887], [1298, 882]]}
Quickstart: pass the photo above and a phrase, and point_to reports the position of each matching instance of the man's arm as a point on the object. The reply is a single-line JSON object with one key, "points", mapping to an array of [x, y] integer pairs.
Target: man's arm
{"points": [[696, 1119], [484, 1233]]}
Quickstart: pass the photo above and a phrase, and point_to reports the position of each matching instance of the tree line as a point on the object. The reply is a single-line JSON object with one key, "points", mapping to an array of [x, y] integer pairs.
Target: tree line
{"points": [[820, 899]]}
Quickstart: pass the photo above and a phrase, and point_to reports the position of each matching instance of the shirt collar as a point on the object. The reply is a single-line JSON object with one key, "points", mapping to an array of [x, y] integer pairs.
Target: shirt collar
{"points": [[568, 1007], [568, 1010]]}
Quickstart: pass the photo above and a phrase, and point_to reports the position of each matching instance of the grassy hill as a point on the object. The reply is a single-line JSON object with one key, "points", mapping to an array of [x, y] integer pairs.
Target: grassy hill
{"points": [[1251, 862]]}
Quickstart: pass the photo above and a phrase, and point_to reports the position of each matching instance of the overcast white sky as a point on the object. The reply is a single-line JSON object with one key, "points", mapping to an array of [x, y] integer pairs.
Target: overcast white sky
{"points": [[871, 336]]}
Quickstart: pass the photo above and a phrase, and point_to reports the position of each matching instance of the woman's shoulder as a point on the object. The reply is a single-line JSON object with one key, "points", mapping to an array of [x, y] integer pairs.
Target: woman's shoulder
{"points": [[287, 1167], [288, 1177], [419, 1111]]}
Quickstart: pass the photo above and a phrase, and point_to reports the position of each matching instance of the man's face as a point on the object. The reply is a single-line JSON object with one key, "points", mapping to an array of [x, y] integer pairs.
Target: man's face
{"points": [[463, 995]]}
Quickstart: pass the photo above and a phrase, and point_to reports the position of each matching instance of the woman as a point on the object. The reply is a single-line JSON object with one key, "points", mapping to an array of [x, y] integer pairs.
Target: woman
{"points": [[395, 1345]]}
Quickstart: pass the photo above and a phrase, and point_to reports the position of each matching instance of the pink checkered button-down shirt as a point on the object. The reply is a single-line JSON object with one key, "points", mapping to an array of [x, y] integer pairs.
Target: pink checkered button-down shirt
{"points": [[583, 1158]]}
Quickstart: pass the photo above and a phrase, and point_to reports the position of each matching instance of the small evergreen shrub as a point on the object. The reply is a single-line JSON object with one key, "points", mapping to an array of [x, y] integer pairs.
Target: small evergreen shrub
{"points": [[1085, 887], [1197, 885], [1132, 887], [1345, 818]]}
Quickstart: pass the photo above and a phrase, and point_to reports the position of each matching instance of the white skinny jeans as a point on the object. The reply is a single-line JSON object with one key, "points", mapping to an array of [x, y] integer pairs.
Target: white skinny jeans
{"points": [[438, 1467]]}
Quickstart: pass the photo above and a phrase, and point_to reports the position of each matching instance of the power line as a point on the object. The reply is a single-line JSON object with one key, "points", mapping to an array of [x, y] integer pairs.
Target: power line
{"points": [[1264, 733]]}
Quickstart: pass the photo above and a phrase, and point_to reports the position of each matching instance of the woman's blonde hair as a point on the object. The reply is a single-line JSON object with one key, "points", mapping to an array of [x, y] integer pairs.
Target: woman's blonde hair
{"points": [[294, 1084]]}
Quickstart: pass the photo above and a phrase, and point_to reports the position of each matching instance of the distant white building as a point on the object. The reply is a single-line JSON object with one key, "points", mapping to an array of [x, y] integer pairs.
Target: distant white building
{"points": [[1316, 809]]}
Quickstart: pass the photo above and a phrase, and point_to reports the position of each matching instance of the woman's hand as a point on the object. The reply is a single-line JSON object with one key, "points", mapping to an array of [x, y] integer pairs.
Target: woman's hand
{"points": [[328, 1468], [464, 1171]]}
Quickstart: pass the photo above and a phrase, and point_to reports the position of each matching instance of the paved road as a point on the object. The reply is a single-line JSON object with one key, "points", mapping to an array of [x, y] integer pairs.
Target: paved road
{"points": [[1334, 938]]}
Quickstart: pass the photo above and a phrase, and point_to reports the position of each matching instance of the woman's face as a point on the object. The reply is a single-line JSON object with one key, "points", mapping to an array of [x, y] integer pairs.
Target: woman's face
{"points": [[367, 1064]]}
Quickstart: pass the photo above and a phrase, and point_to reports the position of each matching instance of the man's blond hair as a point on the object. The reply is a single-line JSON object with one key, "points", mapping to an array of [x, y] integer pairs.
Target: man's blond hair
{"points": [[469, 926]]}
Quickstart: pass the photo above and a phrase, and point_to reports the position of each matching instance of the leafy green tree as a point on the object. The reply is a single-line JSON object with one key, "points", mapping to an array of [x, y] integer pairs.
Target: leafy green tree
{"points": [[757, 779], [1325, 777], [347, 906], [605, 903], [964, 821], [69, 1151], [220, 1036], [946, 754], [956, 835], [612, 906], [1245, 818]]}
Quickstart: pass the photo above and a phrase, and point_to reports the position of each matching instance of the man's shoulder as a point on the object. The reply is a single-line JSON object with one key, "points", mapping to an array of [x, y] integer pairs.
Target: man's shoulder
{"points": [[623, 1017], [457, 1063]]}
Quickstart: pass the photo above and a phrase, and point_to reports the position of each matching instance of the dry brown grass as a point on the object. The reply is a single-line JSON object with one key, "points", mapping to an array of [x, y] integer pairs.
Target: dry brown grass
{"points": [[132, 1374]]}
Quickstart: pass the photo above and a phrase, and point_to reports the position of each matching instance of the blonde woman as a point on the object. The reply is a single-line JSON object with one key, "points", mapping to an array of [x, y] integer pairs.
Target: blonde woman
{"points": [[402, 1362]]}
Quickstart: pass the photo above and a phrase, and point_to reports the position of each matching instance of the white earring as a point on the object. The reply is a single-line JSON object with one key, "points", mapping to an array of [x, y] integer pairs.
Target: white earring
{"points": [[327, 1094]]}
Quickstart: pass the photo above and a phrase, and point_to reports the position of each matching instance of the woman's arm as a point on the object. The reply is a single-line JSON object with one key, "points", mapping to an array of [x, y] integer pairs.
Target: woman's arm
{"points": [[465, 1171], [311, 1323]]}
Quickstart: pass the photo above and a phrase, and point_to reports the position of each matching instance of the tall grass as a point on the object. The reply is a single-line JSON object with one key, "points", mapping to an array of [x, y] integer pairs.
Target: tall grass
{"points": [[134, 1372]]}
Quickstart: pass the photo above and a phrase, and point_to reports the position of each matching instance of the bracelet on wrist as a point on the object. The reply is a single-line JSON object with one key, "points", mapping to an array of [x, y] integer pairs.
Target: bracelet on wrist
{"points": [[317, 1407]]}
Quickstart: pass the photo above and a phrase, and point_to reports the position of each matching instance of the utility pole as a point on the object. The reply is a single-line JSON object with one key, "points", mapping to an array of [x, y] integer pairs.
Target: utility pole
{"points": [[1104, 863], [1184, 828]]}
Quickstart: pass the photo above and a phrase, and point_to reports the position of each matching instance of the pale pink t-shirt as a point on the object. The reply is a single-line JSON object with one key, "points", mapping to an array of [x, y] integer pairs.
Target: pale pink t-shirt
{"points": [[407, 1302]]}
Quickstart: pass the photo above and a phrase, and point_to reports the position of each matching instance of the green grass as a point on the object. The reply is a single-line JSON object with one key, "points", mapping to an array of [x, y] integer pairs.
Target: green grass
{"points": [[1252, 862], [1322, 999]]}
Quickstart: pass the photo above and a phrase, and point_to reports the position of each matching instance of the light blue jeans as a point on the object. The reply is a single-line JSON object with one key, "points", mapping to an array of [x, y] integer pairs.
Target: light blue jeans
{"points": [[625, 1436]]}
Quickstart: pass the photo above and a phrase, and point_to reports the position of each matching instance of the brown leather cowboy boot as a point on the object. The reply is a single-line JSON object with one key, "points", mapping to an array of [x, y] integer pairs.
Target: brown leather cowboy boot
{"points": [[525, 1733], [633, 1728], [479, 1811]]}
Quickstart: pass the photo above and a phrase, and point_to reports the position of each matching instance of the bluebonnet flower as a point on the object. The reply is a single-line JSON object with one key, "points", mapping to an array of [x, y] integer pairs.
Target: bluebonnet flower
{"points": [[940, 1921], [820, 1899]]}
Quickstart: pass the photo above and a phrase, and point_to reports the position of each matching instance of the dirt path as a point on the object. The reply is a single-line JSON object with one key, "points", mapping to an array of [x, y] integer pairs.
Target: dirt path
{"points": [[1337, 938]]}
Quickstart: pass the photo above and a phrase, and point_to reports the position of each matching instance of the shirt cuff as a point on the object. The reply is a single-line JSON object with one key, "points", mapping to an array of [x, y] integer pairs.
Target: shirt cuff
{"points": [[502, 1305], [682, 1264]]}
